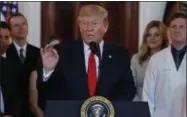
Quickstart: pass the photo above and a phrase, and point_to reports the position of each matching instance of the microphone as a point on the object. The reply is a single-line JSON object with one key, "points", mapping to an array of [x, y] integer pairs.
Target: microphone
{"points": [[95, 49]]}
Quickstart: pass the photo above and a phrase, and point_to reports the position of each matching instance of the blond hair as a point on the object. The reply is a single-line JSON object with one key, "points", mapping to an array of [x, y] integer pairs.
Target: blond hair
{"points": [[94, 10], [145, 52]]}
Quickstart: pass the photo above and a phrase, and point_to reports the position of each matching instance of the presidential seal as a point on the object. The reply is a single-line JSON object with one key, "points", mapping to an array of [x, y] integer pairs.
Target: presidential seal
{"points": [[97, 106]]}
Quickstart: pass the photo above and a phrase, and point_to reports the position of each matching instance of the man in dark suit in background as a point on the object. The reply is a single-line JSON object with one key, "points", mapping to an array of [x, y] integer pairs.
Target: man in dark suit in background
{"points": [[24, 54], [75, 71], [10, 102], [5, 40]]}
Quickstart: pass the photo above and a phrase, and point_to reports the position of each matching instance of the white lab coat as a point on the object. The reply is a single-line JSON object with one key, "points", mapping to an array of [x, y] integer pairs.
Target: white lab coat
{"points": [[165, 87]]}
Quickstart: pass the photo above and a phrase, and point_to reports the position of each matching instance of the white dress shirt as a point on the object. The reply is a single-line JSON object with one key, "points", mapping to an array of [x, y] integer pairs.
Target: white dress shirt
{"points": [[87, 51], [18, 47], [1, 101], [4, 55]]}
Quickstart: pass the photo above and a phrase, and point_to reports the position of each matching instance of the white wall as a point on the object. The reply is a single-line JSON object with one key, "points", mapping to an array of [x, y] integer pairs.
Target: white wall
{"points": [[149, 11], [32, 12]]}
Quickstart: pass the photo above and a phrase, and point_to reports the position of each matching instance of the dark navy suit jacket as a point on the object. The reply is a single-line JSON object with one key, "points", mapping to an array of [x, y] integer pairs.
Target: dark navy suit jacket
{"points": [[9, 87], [69, 80]]}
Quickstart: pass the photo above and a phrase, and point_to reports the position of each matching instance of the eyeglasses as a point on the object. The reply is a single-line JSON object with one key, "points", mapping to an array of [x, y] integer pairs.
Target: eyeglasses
{"points": [[175, 27], [19, 25]]}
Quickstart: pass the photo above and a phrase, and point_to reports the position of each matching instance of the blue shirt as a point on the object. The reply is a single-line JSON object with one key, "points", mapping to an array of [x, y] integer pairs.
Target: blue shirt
{"points": [[180, 52], [1, 102]]}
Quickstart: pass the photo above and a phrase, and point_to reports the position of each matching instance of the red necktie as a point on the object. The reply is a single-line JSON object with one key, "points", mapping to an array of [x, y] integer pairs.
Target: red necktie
{"points": [[92, 74]]}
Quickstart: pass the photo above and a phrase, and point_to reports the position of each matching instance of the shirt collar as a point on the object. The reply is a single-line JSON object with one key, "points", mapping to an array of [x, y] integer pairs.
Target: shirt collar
{"points": [[4, 55], [86, 46], [184, 49], [18, 47]]}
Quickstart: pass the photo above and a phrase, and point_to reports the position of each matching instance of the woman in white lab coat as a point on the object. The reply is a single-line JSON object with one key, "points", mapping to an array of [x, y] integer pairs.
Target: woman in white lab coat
{"points": [[165, 80], [154, 39]]}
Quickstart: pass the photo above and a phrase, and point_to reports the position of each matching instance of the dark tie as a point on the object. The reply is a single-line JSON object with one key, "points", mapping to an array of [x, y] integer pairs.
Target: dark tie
{"points": [[177, 60], [22, 58], [92, 74]]}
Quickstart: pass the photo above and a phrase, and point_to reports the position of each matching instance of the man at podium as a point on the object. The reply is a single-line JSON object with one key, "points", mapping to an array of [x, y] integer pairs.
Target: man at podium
{"points": [[88, 67]]}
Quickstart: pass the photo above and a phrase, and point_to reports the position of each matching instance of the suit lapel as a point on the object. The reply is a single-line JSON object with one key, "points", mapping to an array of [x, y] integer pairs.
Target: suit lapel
{"points": [[170, 60], [12, 52], [81, 60], [105, 68], [28, 53], [78, 67]]}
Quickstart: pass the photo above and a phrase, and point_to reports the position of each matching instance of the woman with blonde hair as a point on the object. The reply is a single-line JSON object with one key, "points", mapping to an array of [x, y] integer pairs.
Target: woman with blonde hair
{"points": [[154, 39]]}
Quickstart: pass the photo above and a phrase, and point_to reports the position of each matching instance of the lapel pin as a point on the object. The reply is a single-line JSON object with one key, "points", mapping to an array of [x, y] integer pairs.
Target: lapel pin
{"points": [[110, 56]]}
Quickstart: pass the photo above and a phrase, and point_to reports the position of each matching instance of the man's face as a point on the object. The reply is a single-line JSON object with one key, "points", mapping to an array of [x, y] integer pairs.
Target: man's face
{"points": [[177, 30], [4, 38], [19, 27], [92, 28]]}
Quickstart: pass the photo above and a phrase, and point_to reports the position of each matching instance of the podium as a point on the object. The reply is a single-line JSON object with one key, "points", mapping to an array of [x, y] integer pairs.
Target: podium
{"points": [[56, 108]]}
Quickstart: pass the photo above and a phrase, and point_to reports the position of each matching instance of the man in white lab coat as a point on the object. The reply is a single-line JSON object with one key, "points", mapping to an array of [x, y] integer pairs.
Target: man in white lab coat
{"points": [[165, 80]]}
